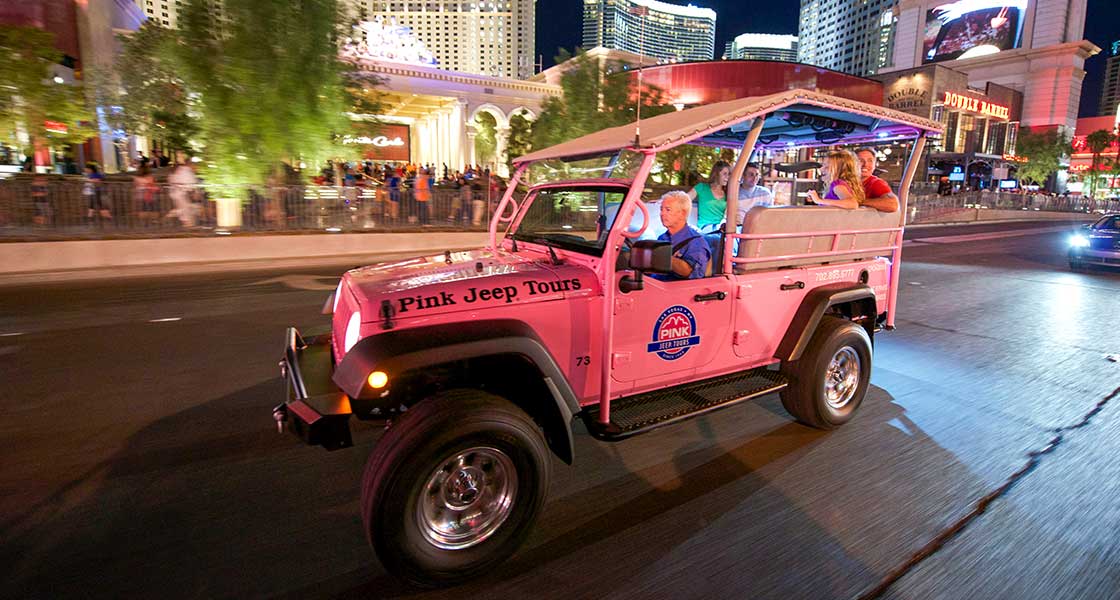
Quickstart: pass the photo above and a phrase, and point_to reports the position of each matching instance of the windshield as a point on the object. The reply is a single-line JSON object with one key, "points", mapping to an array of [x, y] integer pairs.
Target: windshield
{"points": [[615, 165], [573, 218], [1110, 222]]}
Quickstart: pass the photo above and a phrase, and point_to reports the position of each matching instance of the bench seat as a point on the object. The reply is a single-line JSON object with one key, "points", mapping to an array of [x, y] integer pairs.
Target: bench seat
{"points": [[809, 219]]}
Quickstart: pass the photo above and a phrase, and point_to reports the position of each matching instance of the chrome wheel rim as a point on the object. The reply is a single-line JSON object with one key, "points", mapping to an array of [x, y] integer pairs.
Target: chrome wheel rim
{"points": [[842, 378], [467, 498]]}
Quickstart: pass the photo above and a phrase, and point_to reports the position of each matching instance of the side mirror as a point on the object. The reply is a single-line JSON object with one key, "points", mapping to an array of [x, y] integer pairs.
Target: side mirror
{"points": [[651, 256]]}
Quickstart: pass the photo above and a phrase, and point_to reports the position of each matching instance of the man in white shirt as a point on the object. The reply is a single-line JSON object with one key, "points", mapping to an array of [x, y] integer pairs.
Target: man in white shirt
{"points": [[752, 194]]}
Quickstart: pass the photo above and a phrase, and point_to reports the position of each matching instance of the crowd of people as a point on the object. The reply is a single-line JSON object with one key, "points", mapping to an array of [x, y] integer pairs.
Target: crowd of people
{"points": [[160, 190], [409, 189]]}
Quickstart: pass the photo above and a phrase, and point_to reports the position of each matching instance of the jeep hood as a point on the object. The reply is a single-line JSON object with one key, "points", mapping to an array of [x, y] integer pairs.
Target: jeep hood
{"points": [[472, 280]]}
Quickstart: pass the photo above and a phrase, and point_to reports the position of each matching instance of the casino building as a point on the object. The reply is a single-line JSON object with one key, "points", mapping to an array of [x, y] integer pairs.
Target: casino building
{"points": [[431, 115], [1027, 56], [981, 125], [1034, 47]]}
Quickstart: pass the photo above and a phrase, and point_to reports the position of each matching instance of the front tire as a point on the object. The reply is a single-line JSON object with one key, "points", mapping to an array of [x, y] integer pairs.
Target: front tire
{"points": [[828, 383], [453, 488]]}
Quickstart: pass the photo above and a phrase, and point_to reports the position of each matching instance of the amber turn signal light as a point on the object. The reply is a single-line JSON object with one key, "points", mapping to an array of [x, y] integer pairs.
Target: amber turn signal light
{"points": [[377, 379]]}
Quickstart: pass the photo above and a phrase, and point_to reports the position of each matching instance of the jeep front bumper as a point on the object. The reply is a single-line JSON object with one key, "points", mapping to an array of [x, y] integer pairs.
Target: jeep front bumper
{"points": [[315, 409]]}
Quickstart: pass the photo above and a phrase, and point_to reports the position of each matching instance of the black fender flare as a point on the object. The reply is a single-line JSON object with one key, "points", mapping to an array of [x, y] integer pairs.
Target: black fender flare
{"points": [[406, 350], [813, 307]]}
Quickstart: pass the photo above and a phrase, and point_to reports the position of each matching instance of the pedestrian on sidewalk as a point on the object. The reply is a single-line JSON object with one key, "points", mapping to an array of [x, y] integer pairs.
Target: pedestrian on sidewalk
{"points": [[93, 192], [40, 188], [183, 181], [423, 195], [144, 192]]}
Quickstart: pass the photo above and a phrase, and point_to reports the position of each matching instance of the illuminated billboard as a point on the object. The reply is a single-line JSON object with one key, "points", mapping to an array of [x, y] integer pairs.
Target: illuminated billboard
{"points": [[970, 28], [386, 142]]}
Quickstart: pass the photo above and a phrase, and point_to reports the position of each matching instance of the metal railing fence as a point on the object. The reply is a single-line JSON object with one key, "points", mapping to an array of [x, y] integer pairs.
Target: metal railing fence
{"points": [[73, 208]]}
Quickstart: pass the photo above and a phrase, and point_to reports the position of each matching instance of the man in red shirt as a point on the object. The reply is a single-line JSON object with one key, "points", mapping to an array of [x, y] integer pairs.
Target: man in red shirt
{"points": [[878, 193]]}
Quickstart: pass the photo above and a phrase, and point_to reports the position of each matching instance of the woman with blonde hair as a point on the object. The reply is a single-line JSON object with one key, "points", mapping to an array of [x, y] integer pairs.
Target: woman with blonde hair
{"points": [[845, 186]]}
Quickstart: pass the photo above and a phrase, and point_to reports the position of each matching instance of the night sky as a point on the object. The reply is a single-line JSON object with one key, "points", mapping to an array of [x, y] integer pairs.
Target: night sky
{"points": [[560, 25]]}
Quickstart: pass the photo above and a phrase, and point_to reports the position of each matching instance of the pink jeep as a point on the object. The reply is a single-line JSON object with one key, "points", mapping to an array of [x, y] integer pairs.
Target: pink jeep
{"points": [[479, 361]]}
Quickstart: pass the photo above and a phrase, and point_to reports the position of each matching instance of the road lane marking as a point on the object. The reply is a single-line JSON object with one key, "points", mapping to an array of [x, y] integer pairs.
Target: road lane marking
{"points": [[976, 237], [302, 282], [166, 320]]}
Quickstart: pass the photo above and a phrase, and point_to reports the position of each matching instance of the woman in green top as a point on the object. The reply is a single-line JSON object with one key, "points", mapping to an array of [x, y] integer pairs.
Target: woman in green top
{"points": [[712, 195]]}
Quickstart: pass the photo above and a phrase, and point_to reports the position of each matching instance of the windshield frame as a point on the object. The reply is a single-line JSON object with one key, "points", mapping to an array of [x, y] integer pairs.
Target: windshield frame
{"points": [[620, 186]]}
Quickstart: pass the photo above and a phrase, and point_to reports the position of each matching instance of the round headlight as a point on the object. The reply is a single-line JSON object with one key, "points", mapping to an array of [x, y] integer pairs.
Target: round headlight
{"points": [[1078, 241], [352, 331]]}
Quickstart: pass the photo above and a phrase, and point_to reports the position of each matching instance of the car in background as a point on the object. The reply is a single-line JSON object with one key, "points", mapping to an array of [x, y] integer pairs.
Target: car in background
{"points": [[1096, 244]]}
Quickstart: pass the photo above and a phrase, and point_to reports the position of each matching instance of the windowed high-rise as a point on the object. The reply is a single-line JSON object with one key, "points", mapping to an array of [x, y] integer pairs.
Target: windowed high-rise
{"points": [[1110, 91], [762, 46], [166, 12], [496, 38], [853, 36], [651, 28]]}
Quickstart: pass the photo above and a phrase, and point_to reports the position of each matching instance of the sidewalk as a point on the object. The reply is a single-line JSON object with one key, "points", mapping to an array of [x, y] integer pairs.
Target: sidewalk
{"points": [[38, 262], [27, 262]]}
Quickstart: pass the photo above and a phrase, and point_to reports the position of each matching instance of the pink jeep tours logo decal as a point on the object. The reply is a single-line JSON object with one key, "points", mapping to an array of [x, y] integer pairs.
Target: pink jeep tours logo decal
{"points": [[674, 333]]}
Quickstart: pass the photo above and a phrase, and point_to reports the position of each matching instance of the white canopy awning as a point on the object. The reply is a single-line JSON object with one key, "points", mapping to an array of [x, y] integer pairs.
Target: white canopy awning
{"points": [[793, 118]]}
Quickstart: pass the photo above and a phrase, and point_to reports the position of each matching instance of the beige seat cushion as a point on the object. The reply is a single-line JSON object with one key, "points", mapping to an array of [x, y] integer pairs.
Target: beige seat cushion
{"points": [[808, 219]]}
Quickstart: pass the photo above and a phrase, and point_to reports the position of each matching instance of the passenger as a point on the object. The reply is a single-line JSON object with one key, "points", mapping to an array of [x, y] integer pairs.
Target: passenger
{"points": [[750, 193], [690, 252], [878, 193], [845, 189], [712, 196]]}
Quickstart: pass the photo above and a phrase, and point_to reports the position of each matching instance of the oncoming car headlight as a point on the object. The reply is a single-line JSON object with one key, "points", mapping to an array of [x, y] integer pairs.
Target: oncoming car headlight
{"points": [[352, 331], [1078, 241]]}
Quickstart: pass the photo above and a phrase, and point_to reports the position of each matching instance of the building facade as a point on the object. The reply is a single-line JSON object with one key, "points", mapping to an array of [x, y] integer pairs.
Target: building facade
{"points": [[762, 46], [981, 125], [485, 38], [852, 36], [1035, 47], [85, 32], [166, 12], [1081, 166], [667, 32], [1110, 90]]}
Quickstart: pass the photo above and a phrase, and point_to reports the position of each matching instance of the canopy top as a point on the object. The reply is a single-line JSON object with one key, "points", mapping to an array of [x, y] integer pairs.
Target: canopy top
{"points": [[793, 118]]}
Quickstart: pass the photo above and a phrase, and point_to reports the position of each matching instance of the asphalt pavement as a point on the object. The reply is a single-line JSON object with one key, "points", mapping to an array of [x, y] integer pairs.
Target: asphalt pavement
{"points": [[141, 460]]}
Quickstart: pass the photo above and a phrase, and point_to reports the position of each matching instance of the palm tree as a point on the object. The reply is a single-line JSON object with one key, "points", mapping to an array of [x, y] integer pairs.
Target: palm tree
{"points": [[1097, 142]]}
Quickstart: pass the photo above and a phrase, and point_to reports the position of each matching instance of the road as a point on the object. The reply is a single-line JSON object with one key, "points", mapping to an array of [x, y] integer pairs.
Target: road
{"points": [[140, 459]]}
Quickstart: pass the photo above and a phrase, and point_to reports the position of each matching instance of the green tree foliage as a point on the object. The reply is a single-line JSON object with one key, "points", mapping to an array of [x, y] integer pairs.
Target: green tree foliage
{"points": [[1043, 151], [486, 137], [28, 95], [596, 96], [1097, 142], [153, 97], [270, 86], [520, 136]]}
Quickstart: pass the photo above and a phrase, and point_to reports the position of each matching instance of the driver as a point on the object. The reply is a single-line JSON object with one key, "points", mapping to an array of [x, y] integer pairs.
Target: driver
{"points": [[690, 252]]}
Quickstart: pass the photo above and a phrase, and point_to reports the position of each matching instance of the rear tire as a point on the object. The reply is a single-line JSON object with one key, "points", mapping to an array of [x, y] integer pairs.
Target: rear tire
{"points": [[453, 487], [828, 383]]}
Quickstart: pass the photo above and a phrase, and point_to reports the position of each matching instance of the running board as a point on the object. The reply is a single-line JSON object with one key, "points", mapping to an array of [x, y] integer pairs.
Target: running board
{"points": [[632, 415]]}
